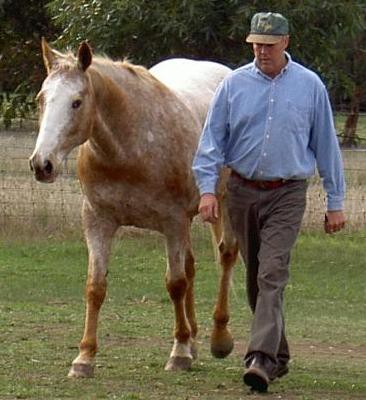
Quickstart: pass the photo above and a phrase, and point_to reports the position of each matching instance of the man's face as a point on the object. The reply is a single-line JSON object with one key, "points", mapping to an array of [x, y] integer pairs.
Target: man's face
{"points": [[270, 58]]}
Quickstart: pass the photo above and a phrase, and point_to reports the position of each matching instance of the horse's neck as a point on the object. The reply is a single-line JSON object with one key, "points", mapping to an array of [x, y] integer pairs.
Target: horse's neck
{"points": [[114, 113]]}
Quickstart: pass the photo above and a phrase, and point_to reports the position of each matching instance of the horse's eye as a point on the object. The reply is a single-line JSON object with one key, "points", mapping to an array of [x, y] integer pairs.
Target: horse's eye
{"points": [[76, 104]]}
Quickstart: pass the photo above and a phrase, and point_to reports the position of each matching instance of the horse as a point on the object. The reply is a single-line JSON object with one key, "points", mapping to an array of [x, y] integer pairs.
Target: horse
{"points": [[137, 131]]}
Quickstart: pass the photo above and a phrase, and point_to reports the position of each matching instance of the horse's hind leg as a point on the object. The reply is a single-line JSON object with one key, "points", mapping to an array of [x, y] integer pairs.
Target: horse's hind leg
{"points": [[221, 338], [99, 233], [179, 283]]}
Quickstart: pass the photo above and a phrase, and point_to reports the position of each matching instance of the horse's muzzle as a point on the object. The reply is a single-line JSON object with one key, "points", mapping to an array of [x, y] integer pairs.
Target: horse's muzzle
{"points": [[44, 171]]}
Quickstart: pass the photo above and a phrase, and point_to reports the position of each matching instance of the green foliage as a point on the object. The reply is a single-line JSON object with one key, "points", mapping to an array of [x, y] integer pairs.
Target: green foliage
{"points": [[22, 25], [7, 110], [18, 105], [147, 31], [21, 67], [327, 36]]}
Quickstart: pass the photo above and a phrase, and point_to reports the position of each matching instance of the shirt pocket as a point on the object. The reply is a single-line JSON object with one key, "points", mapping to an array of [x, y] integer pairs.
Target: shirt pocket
{"points": [[299, 118]]}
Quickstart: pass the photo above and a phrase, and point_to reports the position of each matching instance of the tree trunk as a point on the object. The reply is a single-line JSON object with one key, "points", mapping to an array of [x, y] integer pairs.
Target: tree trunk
{"points": [[350, 138]]}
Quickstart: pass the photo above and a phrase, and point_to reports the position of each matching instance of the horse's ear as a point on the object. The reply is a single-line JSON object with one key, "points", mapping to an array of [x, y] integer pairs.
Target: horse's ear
{"points": [[85, 56], [48, 55], [51, 57]]}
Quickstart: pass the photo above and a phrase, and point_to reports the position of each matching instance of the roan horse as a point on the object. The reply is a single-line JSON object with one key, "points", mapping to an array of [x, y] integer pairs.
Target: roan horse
{"points": [[137, 130]]}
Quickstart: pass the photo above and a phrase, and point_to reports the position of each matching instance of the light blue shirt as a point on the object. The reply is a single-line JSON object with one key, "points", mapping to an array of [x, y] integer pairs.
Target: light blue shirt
{"points": [[268, 129]]}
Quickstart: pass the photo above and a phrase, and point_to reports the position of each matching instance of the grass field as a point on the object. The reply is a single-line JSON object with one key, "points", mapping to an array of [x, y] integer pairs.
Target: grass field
{"points": [[42, 309]]}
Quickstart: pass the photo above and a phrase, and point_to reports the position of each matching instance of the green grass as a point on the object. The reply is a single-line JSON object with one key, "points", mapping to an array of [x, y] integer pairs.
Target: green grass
{"points": [[42, 310]]}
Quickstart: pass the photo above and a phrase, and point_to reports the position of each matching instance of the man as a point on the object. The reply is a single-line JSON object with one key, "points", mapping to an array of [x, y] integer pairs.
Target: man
{"points": [[271, 123]]}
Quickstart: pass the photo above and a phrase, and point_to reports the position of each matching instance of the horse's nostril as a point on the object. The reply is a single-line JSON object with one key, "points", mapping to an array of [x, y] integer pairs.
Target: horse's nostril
{"points": [[48, 167]]}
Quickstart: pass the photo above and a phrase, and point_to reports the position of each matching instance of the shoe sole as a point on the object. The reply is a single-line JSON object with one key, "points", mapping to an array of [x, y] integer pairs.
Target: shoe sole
{"points": [[256, 380]]}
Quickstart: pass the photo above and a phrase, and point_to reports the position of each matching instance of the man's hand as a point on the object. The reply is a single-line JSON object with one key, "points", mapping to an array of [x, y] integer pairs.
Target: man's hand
{"points": [[334, 221], [209, 208]]}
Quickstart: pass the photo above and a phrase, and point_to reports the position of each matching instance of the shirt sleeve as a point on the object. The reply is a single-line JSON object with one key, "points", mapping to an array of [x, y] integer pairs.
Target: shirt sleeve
{"points": [[210, 157], [324, 143]]}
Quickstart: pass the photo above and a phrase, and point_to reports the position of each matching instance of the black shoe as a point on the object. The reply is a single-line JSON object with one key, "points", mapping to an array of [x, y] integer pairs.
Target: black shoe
{"points": [[282, 370], [279, 371], [255, 375]]}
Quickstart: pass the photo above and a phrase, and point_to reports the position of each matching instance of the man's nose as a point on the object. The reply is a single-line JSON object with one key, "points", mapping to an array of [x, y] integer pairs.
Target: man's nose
{"points": [[263, 49]]}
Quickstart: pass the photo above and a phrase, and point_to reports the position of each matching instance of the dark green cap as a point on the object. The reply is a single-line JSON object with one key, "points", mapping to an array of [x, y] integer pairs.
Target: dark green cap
{"points": [[268, 28]]}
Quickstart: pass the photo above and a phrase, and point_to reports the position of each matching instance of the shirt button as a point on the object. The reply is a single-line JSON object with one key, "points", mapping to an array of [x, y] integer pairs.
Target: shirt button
{"points": [[272, 100], [264, 154], [269, 118], [267, 136]]}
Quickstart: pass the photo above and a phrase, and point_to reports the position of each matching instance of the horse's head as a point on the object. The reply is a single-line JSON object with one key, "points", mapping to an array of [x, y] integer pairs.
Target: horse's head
{"points": [[66, 110]]}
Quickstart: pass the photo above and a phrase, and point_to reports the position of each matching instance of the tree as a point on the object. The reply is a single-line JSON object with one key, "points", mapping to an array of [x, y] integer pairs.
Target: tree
{"points": [[354, 62], [335, 46], [23, 23], [327, 36], [147, 31]]}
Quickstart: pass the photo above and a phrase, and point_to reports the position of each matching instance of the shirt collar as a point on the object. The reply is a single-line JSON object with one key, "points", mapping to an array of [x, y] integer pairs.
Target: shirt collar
{"points": [[283, 70]]}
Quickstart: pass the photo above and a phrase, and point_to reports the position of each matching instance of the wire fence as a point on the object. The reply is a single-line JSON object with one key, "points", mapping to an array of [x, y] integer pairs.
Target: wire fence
{"points": [[28, 207]]}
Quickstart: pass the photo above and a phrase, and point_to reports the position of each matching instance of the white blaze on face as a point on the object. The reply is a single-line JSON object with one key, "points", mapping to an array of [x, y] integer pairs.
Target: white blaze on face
{"points": [[59, 95]]}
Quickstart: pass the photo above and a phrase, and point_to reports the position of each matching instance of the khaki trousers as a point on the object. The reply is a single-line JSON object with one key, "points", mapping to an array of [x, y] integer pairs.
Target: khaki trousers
{"points": [[266, 224]]}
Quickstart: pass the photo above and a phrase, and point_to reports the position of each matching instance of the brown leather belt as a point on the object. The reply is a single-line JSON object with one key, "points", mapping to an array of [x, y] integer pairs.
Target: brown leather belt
{"points": [[265, 185]]}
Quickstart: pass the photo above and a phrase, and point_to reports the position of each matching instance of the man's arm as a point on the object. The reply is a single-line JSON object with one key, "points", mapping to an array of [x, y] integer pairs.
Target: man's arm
{"points": [[329, 161], [209, 157]]}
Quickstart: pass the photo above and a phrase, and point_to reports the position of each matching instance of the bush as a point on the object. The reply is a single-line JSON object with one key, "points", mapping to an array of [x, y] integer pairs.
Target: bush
{"points": [[16, 106]]}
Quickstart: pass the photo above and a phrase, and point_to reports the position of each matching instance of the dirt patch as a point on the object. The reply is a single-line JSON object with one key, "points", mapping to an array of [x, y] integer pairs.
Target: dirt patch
{"points": [[280, 390], [309, 349]]}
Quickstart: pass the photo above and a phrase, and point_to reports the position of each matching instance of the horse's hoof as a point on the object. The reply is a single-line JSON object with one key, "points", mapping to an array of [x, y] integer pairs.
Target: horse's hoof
{"points": [[222, 343], [81, 371], [178, 364]]}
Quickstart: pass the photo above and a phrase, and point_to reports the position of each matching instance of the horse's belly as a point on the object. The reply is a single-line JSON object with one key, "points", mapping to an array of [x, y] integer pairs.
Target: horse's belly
{"points": [[140, 208]]}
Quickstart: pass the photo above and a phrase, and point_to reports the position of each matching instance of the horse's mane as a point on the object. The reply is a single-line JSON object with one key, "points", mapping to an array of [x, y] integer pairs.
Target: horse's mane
{"points": [[106, 65]]}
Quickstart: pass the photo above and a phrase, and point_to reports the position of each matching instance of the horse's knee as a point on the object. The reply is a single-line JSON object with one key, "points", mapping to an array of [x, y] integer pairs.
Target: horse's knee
{"points": [[177, 289], [228, 254], [95, 292], [189, 266]]}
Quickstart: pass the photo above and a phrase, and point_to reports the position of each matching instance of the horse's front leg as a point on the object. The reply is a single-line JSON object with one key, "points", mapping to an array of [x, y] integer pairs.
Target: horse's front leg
{"points": [[99, 233], [179, 283]]}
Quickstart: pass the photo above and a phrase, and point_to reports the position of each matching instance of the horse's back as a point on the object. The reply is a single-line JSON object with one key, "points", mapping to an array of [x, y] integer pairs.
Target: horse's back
{"points": [[193, 81]]}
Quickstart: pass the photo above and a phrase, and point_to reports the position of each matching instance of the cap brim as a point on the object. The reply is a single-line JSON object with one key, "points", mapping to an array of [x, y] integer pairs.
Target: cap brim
{"points": [[266, 39]]}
